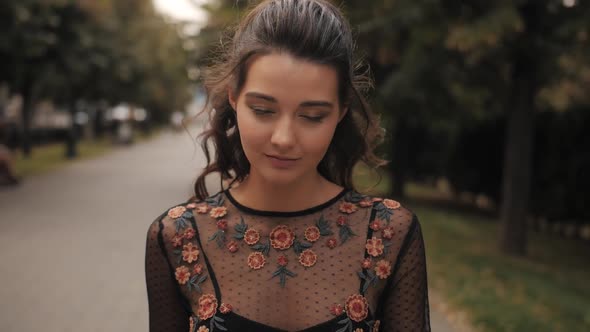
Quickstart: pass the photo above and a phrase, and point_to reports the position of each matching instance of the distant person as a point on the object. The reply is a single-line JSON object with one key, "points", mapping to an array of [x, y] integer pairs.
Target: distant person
{"points": [[289, 244]]}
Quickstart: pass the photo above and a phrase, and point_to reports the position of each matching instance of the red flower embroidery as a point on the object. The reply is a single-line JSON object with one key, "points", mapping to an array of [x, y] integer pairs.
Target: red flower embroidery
{"points": [[251, 236], [308, 258], [202, 208], [256, 260], [207, 306], [331, 243], [387, 233], [383, 269], [197, 269], [222, 224], [336, 309], [191, 205], [312, 234], [282, 260], [182, 274], [374, 246], [391, 204], [225, 308], [232, 246], [377, 199], [341, 221], [218, 212], [177, 240], [357, 307], [190, 253], [366, 203], [189, 233], [366, 263], [176, 212], [375, 225], [347, 207], [282, 237]]}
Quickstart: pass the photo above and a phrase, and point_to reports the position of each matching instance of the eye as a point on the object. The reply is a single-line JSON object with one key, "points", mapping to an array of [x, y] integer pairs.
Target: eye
{"points": [[314, 118], [261, 111]]}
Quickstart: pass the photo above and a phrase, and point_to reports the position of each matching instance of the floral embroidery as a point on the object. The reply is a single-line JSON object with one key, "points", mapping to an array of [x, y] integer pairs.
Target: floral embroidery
{"points": [[176, 212], [282, 260], [376, 326], [177, 240], [203, 329], [182, 274], [336, 309], [207, 306], [367, 263], [232, 246], [191, 326], [357, 307], [225, 308], [251, 236], [383, 269], [391, 204], [374, 246], [189, 233], [202, 208], [375, 225], [256, 260], [377, 199], [282, 237], [312, 234], [190, 253], [308, 258], [341, 221], [331, 243], [387, 233], [358, 329], [365, 203], [191, 205], [218, 212], [345, 231], [197, 269], [222, 224], [347, 207]]}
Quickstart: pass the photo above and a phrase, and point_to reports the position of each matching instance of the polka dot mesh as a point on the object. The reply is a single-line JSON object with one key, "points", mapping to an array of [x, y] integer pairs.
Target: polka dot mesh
{"points": [[398, 301]]}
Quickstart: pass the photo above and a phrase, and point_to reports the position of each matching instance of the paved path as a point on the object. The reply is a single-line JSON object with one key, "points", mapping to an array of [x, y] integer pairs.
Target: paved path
{"points": [[72, 241]]}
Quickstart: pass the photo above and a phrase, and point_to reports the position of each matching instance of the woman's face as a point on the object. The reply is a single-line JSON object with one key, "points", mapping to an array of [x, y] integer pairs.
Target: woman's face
{"points": [[287, 112]]}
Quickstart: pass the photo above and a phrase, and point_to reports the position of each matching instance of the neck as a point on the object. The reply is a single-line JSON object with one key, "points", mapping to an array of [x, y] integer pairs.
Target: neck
{"points": [[259, 194]]}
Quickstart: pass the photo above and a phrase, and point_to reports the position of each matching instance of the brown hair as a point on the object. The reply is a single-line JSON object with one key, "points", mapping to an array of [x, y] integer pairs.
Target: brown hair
{"points": [[313, 30]]}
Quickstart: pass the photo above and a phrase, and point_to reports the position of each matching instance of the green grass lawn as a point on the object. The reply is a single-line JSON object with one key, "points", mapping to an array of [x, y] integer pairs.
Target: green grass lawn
{"points": [[549, 290]]}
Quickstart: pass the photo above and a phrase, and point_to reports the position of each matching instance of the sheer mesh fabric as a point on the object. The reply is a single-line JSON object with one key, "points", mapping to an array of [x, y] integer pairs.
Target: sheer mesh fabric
{"points": [[397, 301]]}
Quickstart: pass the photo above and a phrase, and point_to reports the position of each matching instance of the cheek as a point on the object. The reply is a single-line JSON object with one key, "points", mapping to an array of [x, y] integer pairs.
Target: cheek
{"points": [[318, 141], [252, 134]]}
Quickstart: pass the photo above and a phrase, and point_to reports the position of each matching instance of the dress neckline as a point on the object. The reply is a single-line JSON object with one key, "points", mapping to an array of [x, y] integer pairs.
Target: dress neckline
{"points": [[270, 213]]}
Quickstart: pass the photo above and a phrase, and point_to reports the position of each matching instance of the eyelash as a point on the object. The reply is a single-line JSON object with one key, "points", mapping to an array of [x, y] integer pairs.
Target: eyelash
{"points": [[263, 112]]}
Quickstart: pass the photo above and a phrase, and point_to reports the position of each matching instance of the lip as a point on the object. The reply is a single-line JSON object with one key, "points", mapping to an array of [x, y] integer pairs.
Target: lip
{"points": [[281, 162]]}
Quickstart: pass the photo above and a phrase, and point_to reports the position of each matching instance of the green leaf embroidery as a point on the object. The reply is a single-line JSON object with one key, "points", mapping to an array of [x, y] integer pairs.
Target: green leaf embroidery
{"points": [[345, 233], [264, 248], [181, 223], [299, 246], [324, 226]]}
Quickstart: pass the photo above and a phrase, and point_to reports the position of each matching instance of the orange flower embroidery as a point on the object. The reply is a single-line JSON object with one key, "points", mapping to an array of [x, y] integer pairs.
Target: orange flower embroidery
{"points": [[192, 322], [366, 203], [358, 329], [222, 224], [189, 233], [341, 221], [383, 269], [191, 206], [225, 308], [312, 234], [357, 307], [203, 329], [387, 233], [377, 199], [190, 253], [232, 246], [282, 237], [177, 240], [251, 236], [202, 208], [336, 309], [308, 258], [376, 326], [182, 274], [176, 212], [347, 207], [375, 225], [218, 212], [197, 269], [366, 263], [331, 243], [207, 306], [256, 260], [374, 246], [391, 204]]}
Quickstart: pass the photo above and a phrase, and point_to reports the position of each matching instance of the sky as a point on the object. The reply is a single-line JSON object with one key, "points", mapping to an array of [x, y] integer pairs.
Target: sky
{"points": [[182, 9]]}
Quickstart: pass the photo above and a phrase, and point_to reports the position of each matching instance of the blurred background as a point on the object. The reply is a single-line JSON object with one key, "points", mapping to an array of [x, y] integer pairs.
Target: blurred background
{"points": [[487, 111]]}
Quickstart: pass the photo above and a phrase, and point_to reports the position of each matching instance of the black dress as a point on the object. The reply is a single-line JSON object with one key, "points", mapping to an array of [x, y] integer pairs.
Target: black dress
{"points": [[354, 263]]}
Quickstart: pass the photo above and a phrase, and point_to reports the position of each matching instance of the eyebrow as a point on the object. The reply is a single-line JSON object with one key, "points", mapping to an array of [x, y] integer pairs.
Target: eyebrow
{"points": [[308, 103]]}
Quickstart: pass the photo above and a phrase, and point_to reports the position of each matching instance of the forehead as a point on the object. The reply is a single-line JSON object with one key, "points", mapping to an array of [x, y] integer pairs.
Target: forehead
{"points": [[288, 78]]}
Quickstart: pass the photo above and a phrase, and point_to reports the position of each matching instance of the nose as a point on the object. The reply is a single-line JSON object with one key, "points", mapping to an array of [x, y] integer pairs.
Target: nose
{"points": [[283, 136]]}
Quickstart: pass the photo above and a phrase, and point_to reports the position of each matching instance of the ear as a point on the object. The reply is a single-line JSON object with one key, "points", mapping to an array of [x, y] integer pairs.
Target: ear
{"points": [[232, 99]]}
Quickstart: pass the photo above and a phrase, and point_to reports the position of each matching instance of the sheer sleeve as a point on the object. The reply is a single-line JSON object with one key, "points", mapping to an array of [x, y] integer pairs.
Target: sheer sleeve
{"points": [[405, 298], [166, 311]]}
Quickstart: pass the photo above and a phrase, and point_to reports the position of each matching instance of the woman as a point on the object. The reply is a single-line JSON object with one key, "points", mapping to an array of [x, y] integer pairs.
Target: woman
{"points": [[290, 245]]}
